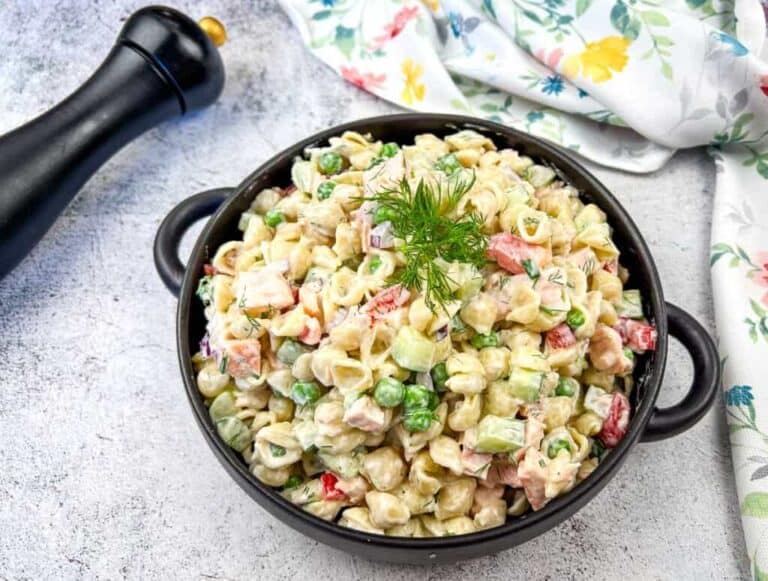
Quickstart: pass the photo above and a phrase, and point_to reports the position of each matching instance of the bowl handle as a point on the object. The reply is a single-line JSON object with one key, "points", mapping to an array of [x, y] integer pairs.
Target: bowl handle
{"points": [[667, 422], [176, 223]]}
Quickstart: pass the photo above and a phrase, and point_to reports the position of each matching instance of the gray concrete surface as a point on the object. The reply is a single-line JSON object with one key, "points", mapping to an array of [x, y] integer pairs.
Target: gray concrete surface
{"points": [[103, 473]]}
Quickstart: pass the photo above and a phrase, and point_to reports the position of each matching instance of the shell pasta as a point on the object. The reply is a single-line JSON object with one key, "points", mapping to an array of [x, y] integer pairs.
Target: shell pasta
{"points": [[420, 339]]}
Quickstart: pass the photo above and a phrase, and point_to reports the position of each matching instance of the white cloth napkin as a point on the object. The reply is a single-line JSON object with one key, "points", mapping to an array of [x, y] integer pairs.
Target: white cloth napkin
{"points": [[623, 83]]}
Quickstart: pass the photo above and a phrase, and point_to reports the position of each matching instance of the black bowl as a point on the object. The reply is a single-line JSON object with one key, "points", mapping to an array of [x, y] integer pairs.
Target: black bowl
{"points": [[648, 422]]}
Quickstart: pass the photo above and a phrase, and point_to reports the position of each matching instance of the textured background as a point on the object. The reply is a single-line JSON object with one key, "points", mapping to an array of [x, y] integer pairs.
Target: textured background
{"points": [[103, 473]]}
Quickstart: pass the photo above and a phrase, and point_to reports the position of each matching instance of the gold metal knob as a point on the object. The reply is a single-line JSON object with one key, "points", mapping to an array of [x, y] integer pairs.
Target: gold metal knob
{"points": [[214, 29]]}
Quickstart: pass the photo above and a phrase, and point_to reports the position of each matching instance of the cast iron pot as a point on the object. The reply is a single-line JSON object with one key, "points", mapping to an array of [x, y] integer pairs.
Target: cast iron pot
{"points": [[648, 423]]}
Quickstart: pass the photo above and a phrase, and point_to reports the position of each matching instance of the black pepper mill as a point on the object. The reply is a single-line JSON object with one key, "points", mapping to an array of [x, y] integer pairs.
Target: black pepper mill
{"points": [[163, 64]]}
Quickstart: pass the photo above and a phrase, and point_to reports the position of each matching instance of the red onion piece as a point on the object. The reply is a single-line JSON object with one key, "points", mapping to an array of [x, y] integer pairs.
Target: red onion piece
{"points": [[338, 319], [382, 236], [441, 333], [205, 346], [425, 379]]}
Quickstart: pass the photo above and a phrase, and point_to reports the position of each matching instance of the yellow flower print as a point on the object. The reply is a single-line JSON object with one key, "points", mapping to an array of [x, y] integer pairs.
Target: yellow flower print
{"points": [[413, 90], [432, 4], [599, 59]]}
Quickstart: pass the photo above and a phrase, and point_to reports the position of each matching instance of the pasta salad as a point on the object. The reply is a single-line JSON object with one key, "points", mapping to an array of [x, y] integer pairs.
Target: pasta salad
{"points": [[420, 339]]}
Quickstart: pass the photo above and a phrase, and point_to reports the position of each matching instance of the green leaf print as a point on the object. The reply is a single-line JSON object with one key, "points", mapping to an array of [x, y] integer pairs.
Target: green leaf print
{"points": [[655, 18], [489, 9], [624, 22], [755, 505], [345, 40], [582, 6]]}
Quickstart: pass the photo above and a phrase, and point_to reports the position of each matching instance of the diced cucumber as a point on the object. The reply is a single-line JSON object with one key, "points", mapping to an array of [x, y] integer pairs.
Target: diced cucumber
{"points": [[539, 175], [598, 400], [345, 465], [242, 224], [305, 432], [302, 173], [223, 406], [525, 384], [631, 305], [234, 432], [496, 434], [412, 350], [470, 282], [517, 193]]}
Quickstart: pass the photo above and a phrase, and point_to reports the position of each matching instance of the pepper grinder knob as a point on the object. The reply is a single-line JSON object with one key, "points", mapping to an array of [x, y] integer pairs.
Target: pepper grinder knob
{"points": [[162, 65]]}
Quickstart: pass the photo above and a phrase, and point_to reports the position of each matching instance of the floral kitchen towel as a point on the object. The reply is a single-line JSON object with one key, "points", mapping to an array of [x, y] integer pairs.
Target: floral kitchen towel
{"points": [[621, 82]]}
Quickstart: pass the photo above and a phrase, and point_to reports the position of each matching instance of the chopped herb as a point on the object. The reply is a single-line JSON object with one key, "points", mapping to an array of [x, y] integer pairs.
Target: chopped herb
{"points": [[530, 268], [276, 451], [482, 468], [374, 162], [542, 463], [421, 219], [205, 290], [556, 277], [589, 266], [224, 363], [531, 221]]}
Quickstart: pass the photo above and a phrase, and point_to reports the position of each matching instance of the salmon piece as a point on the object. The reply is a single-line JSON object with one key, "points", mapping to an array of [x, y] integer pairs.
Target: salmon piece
{"points": [[243, 358], [510, 251]]}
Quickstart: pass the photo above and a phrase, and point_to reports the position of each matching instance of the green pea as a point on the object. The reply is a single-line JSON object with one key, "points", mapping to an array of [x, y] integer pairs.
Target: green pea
{"points": [[374, 264], [564, 387], [276, 451], [439, 376], [419, 397], [325, 190], [628, 353], [556, 446], [390, 149], [329, 163], [305, 392], [294, 480], [575, 318], [449, 164], [273, 218], [389, 392], [418, 420], [597, 450], [383, 214], [223, 406], [234, 432], [480, 341], [290, 351]]}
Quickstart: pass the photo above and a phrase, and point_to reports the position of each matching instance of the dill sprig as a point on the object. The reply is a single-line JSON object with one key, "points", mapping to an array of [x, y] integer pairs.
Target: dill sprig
{"points": [[422, 219]]}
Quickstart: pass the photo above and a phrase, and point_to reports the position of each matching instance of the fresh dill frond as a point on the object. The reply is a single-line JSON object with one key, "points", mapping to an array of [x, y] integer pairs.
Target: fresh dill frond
{"points": [[423, 219]]}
